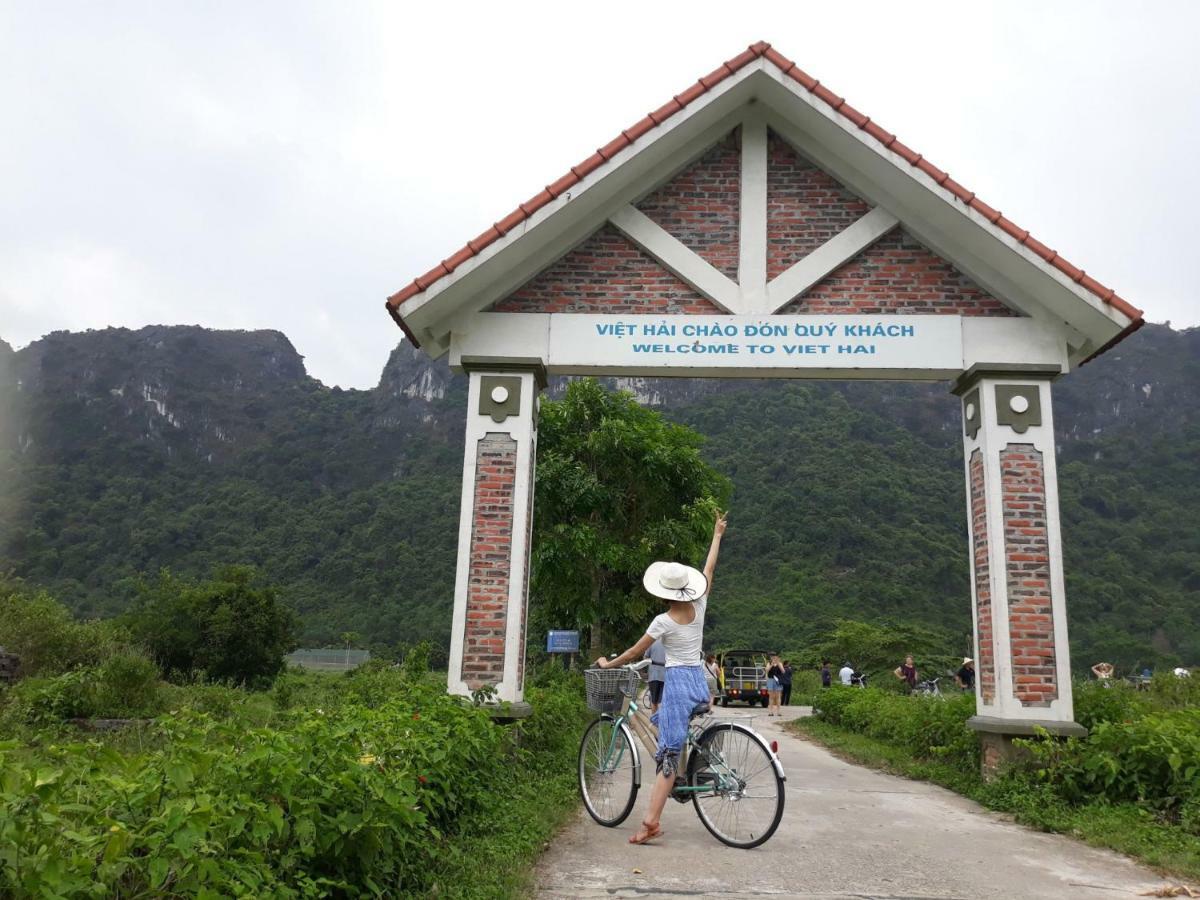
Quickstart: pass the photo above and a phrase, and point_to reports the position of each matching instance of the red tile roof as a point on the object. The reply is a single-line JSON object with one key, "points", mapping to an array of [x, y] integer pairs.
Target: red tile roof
{"points": [[760, 50]]}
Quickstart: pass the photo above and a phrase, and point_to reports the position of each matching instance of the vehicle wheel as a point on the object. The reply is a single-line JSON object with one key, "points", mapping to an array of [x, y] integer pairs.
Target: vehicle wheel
{"points": [[764, 701], [608, 772], [746, 805], [725, 702]]}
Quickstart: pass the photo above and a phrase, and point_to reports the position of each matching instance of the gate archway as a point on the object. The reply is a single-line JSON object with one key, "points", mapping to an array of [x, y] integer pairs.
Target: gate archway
{"points": [[757, 225]]}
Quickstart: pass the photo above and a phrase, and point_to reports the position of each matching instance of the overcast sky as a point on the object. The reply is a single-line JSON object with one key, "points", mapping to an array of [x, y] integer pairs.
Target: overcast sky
{"points": [[290, 165]]}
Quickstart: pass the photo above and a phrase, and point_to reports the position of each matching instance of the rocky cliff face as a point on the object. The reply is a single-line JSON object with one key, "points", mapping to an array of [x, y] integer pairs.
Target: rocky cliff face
{"points": [[178, 390]]}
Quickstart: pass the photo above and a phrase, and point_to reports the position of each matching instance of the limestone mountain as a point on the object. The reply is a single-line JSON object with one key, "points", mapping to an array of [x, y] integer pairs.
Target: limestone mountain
{"points": [[124, 451]]}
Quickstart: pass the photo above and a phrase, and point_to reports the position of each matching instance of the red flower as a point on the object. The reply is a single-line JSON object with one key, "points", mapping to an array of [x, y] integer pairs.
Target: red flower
{"points": [[422, 779]]}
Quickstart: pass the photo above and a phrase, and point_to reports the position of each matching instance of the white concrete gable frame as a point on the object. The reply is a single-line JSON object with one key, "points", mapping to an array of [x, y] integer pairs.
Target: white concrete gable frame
{"points": [[756, 97]]}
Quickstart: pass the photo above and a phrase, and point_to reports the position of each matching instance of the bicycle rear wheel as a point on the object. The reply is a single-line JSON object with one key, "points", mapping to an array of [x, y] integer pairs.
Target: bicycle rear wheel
{"points": [[746, 803], [608, 772]]}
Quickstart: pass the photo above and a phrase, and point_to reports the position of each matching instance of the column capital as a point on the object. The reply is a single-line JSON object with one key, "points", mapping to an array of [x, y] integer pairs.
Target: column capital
{"points": [[532, 365], [1003, 372]]}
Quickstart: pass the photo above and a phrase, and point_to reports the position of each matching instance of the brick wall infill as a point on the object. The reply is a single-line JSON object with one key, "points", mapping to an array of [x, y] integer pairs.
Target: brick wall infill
{"points": [[701, 206], [607, 273], [897, 274], [490, 562], [805, 207], [986, 661], [1027, 563]]}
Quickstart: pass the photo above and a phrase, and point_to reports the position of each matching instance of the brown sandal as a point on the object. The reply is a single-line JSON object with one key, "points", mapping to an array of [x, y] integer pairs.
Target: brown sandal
{"points": [[647, 834]]}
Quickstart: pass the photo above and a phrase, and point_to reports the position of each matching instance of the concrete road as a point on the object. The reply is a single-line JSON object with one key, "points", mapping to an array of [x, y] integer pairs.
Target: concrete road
{"points": [[847, 831]]}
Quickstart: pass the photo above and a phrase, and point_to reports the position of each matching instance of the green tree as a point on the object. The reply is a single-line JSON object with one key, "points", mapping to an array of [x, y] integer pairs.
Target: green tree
{"points": [[618, 487], [47, 638], [232, 627]]}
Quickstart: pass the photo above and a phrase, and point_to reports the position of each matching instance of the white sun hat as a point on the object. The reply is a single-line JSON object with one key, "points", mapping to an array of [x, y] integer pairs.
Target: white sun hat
{"points": [[675, 581], [967, 659]]}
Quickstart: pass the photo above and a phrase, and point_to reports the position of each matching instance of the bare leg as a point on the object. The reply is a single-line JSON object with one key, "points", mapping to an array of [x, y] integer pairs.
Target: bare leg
{"points": [[663, 785]]}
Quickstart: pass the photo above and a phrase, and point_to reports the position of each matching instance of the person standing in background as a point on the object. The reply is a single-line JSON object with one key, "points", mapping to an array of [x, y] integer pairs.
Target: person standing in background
{"points": [[657, 674], [786, 696], [826, 673], [907, 672], [774, 685], [712, 674], [966, 675], [846, 674]]}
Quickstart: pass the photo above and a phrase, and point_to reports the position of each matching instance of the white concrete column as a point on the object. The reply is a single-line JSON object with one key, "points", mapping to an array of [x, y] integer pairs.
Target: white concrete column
{"points": [[1022, 655], [487, 642]]}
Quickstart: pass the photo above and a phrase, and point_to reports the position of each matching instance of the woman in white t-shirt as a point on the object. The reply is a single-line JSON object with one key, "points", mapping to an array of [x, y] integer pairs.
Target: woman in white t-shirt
{"points": [[681, 629]]}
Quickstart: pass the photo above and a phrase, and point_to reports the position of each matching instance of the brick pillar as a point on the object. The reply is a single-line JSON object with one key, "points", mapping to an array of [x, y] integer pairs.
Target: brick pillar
{"points": [[487, 642], [1022, 658]]}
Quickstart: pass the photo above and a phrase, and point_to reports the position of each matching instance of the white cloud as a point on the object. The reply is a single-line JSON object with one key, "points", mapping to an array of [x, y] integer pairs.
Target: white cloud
{"points": [[288, 165]]}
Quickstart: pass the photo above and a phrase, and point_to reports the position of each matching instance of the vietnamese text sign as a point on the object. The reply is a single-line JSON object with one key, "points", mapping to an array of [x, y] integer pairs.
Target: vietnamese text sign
{"points": [[926, 342], [562, 642]]}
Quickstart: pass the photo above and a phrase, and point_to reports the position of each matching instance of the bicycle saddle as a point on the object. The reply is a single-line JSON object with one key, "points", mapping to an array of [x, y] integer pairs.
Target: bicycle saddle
{"points": [[700, 709]]}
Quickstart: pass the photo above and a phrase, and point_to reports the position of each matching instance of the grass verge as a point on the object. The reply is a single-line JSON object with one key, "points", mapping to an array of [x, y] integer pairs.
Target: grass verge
{"points": [[493, 856], [1124, 827]]}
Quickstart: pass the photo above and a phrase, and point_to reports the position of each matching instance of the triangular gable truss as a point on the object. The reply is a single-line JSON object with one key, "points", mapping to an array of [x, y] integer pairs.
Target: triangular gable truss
{"points": [[756, 92]]}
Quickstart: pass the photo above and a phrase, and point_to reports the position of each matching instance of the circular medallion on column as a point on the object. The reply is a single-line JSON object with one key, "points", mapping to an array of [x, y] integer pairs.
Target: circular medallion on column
{"points": [[1018, 406]]}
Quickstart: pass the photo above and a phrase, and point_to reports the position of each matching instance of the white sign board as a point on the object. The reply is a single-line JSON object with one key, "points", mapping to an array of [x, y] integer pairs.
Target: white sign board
{"points": [[647, 343]]}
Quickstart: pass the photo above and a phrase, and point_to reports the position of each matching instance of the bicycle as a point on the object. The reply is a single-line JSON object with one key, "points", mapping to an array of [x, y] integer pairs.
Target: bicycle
{"points": [[929, 688], [731, 775]]}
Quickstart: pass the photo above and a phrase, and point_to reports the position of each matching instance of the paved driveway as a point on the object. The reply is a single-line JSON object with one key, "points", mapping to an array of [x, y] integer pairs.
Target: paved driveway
{"points": [[847, 832]]}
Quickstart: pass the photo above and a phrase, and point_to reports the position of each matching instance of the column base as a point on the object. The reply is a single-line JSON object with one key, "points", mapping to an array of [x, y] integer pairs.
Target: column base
{"points": [[996, 735], [507, 713]]}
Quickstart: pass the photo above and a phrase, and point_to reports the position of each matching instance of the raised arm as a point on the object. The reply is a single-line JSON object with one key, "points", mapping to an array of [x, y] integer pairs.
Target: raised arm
{"points": [[714, 549]]}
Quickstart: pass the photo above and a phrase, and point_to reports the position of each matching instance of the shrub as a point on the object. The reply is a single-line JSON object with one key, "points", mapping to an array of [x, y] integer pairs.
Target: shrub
{"points": [[232, 627], [126, 685], [50, 701], [1118, 701], [354, 802], [927, 727], [1154, 760], [43, 633]]}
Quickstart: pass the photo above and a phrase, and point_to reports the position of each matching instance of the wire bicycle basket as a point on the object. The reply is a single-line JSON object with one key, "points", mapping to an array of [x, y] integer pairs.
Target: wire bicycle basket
{"points": [[608, 688]]}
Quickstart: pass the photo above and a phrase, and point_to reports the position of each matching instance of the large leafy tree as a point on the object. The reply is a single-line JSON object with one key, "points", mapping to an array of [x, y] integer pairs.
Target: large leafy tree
{"points": [[618, 487], [231, 627]]}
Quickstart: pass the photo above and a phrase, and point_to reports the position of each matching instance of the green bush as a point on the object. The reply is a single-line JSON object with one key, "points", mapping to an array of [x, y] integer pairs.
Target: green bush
{"points": [[47, 638], [1118, 701], [927, 727], [353, 801], [233, 627], [126, 686], [1154, 760], [50, 701]]}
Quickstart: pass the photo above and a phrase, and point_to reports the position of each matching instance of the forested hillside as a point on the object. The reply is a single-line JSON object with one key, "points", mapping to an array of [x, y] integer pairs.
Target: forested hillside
{"points": [[122, 452]]}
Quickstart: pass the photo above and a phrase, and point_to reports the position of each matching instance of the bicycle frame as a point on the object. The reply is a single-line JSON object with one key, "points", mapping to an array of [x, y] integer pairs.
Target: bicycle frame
{"points": [[726, 779]]}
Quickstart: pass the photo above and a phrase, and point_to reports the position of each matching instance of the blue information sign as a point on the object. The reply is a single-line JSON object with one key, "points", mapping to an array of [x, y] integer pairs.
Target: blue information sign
{"points": [[562, 642]]}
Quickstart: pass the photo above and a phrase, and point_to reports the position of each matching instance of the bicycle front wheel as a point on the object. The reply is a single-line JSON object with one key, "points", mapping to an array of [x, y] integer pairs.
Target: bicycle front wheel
{"points": [[741, 803], [608, 772]]}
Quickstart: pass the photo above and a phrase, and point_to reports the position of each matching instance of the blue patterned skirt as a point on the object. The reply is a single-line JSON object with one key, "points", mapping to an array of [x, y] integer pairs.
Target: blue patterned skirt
{"points": [[685, 688]]}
